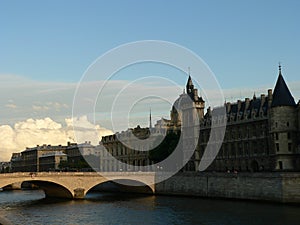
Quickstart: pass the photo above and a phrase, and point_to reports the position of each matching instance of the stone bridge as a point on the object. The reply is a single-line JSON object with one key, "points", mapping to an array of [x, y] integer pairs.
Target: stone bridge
{"points": [[77, 184]]}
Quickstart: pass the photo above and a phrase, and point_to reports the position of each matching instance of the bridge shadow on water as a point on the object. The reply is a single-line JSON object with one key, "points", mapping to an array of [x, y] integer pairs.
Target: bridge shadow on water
{"points": [[124, 186]]}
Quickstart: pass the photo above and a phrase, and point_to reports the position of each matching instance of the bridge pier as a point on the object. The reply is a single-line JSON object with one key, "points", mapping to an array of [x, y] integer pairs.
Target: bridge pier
{"points": [[13, 186], [79, 193]]}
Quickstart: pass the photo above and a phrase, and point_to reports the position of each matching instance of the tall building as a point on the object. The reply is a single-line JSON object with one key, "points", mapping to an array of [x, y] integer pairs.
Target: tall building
{"points": [[262, 133]]}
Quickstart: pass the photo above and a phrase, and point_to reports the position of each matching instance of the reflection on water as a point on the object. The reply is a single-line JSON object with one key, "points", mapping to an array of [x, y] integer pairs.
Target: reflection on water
{"points": [[30, 207]]}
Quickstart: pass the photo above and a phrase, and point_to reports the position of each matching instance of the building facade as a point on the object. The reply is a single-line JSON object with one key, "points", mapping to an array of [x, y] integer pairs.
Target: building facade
{"points": [[72, 156], [262, 133], [29, 159], [126, 147], [52, 161], [138, 149]]}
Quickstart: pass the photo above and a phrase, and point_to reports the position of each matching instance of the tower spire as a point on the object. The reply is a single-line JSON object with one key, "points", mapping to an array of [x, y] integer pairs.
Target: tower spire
{"points": [[189, 85], [150, 120], [279, 67]]}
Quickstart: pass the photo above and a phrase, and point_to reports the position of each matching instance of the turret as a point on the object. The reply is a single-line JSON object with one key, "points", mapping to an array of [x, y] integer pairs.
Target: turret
{"points": [[199, 103], [282, 125]]}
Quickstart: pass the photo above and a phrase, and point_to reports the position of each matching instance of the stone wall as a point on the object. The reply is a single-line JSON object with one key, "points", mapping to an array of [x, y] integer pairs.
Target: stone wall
{"points": [[279, 187]]}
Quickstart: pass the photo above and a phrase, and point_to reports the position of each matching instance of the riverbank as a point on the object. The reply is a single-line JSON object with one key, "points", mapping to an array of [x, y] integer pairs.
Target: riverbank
{"points": [[275, 187]]}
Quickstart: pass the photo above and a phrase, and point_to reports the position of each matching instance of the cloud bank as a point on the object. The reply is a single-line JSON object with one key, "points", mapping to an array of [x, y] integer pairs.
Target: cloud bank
{"points": [[32, 132]]}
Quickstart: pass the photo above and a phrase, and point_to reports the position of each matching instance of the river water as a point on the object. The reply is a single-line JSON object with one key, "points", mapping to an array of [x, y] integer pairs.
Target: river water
{"points": [[30, 207]]}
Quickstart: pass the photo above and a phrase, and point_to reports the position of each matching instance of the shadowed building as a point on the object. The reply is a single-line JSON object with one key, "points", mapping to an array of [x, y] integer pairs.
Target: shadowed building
{"points": [[124, 147], [72, 156], [262, 133], [51, 161], [29, 159]]}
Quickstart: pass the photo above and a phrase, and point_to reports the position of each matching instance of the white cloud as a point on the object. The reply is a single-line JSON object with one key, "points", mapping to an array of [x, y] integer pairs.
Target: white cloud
{"points": [[32, 132], [11, 106], [40, 108]]}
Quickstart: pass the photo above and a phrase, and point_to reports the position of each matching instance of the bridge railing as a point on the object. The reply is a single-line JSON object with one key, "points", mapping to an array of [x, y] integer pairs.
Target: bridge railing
{"points": [[34, 174]]}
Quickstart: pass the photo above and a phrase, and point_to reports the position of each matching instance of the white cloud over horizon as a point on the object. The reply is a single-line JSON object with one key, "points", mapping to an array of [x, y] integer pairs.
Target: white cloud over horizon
{"points": [[32, 132]]}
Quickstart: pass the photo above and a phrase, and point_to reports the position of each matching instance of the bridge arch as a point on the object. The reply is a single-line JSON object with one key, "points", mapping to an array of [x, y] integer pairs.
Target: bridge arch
{"points": [[123, 185], [50, 188], [53, 189]]}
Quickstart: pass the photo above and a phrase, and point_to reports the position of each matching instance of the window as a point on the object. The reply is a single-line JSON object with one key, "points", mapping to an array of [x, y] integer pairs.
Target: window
{"points": [[276, 136], [277, 147], [254, 147], [280, 165], [276, 124], [289, 135], [287, 124], [290, 147]]}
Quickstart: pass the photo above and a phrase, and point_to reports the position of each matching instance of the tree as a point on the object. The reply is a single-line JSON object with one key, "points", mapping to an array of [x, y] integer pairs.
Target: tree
{"points": [[165, 148]]}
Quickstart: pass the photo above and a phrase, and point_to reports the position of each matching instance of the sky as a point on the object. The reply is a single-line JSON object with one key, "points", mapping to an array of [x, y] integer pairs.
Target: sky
{"points": [[46, 47]]}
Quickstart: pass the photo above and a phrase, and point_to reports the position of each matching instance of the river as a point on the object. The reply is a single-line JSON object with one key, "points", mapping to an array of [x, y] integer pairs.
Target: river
{"points": [[30, 207]]}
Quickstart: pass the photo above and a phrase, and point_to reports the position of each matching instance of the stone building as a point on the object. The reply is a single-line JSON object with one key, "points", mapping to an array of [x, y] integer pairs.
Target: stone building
{"points": [[84, 157], [51, 161], [262, 133], [48, 157], [29, 159], [122, 146], [130, 148]]}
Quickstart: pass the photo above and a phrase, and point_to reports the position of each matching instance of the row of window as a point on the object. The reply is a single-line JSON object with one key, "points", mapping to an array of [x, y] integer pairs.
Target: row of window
{"points": [[245, 149], [290, 147], [277, 136]]}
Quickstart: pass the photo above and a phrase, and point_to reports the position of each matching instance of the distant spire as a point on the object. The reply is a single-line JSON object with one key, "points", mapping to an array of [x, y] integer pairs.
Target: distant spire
{"points": [[189, 85], [254, 96], [150, 120], [279, 66]]}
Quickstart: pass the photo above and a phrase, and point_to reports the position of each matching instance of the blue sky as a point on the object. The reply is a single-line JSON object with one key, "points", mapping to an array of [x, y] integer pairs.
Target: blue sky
{"points": [[46, 46], [57, 40]]}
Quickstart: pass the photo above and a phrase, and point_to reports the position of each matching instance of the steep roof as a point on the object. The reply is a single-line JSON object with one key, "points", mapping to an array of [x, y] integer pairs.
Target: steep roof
{"points": [[282, 95]]}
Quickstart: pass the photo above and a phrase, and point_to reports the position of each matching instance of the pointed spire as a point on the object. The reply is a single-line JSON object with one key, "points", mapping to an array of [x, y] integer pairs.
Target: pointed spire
{"points": [[279, 67], [150, 120], [282, 95], [189, 85], [254, 96]]}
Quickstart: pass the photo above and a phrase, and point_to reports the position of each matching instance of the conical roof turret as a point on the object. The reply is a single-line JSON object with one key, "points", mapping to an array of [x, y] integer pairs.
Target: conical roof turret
{"points": [[282, 95]]}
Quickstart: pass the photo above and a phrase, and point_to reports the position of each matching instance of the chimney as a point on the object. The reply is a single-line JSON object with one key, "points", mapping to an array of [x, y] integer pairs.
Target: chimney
{"points": [[228, 107], [263, 99], [239, 104], [247, 102], [270, 97]]}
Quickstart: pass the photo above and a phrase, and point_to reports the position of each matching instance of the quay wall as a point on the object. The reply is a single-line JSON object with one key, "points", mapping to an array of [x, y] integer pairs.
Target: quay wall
{"points": [[276, 187]]}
